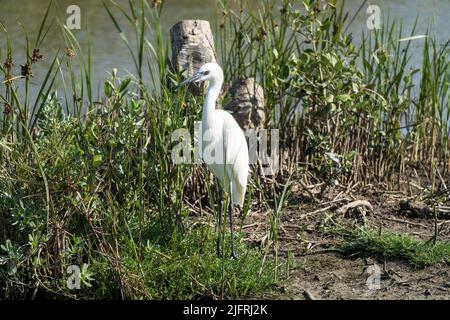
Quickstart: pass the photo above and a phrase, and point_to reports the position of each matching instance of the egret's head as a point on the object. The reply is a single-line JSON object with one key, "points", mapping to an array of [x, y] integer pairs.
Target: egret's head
{"points": [[208, 72]]}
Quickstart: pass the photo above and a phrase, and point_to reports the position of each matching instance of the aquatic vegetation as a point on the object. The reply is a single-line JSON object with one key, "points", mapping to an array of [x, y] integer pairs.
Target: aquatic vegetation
{"points": [[86, 179]]}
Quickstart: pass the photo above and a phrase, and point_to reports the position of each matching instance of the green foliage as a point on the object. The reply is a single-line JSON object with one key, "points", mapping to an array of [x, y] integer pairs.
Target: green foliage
{"points": [[328, 95], [187, 266], [88, 180], [417, 252]]}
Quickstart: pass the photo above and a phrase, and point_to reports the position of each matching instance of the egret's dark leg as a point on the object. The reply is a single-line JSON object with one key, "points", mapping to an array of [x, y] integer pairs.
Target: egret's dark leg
{"points": [[219, 226], [230, 215]]}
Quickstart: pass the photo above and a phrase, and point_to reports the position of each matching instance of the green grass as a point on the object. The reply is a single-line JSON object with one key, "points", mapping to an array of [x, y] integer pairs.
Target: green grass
{"points": [[188, 267], [418, 253]]}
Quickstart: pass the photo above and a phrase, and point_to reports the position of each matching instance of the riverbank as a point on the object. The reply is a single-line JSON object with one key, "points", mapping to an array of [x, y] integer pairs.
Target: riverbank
{"points": [[93, 205]]}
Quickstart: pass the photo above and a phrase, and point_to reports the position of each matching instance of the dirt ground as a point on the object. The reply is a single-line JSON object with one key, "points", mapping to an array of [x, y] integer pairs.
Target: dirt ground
{"points": [[326, 274], [329, 276]]}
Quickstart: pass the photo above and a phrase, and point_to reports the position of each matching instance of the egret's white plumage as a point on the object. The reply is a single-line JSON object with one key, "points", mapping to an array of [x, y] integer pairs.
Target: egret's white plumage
{"points": [[224, 147], [221, 133]]}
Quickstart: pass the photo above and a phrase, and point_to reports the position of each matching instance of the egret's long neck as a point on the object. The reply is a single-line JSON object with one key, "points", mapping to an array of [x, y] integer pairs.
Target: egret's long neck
{"points": [[210, 99]]}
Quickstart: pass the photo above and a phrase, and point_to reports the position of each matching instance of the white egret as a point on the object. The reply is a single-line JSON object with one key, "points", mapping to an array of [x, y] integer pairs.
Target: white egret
{"points": [[224, 147]]}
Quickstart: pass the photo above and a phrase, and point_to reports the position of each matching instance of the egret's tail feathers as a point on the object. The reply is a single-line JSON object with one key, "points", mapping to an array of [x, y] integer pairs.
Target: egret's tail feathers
{"points": [[238, 194]]}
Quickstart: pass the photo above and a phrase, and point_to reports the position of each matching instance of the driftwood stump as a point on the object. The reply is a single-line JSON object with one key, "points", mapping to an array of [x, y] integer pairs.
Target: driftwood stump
{"points": [[247, 104], [192, 46]]}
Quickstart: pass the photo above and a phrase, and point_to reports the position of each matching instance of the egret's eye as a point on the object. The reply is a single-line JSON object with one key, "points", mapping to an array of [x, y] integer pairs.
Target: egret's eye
{"points": [[205, 73]]}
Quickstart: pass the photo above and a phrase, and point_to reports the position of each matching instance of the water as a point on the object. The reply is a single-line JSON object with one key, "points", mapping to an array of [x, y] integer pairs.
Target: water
{"points": [[108, 51], [97, 28]]}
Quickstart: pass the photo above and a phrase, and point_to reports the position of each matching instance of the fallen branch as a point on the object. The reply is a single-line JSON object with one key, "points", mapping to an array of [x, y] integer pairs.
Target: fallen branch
{"points": [[354, 204], [308, 295]]}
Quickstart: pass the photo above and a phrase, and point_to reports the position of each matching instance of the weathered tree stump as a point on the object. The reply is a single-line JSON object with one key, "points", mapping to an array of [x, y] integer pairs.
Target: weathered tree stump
{"points": [[247, 104], [192, 46]]}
